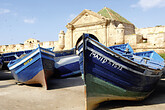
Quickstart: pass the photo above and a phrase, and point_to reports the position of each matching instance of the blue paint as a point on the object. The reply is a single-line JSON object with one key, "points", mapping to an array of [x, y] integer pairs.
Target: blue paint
{"points": [[123, 48], [118, 60], [22, 66], [152, 55], [71, 74], [26, 70], [69, 68], [133, 76], [65, 52], [14, 55], [29, 72], [67, 65]]}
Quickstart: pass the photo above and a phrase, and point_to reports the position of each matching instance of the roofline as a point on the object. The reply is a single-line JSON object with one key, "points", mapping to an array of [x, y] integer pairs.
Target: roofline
{"points": [[87, 11]]}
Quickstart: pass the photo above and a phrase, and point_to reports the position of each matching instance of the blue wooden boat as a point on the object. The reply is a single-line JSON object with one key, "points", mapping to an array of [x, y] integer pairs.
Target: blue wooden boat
{"points": [[65, 52], [66, 63], [12, 56], [15, 55], [152, 55], [34, 68], [126, 50], [111, 75], [121, 49]]}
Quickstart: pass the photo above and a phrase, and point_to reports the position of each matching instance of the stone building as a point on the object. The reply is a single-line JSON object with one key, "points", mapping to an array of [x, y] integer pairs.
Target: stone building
{"points": [[108, 26], [112, 29], [153, 39]]}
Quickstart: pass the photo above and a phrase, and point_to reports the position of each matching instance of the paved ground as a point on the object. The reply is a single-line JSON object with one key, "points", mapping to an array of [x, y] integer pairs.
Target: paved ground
{"points": [[65, 94]]}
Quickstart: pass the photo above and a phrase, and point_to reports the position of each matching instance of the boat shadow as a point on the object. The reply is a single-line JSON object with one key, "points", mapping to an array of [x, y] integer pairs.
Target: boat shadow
{"points": [[5, 75], [157, 97], [7, 85], [54, 83]]}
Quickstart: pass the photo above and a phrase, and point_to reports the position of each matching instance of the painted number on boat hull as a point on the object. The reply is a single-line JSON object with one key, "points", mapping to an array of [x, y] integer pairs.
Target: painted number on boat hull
{"points": [[104, 60], [28, 61]]}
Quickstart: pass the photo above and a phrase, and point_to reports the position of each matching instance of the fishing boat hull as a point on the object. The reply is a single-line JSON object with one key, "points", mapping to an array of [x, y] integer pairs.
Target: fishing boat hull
{"points": [[16, 55], [35, 68], [1, 62], [65, 52], [109, 76], [67, 66]]}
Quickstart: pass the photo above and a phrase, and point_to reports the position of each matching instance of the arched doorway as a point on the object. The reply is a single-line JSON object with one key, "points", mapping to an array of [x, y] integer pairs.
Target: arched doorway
{"points": [[90, 35]]}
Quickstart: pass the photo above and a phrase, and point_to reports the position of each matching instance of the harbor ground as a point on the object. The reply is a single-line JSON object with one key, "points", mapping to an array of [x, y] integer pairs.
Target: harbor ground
{"points": [[66, 94]]}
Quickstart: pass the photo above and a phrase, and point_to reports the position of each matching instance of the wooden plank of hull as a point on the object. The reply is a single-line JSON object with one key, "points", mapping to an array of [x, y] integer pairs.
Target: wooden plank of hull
{"points": [[40, 78], [43, 75], [48, 66], [1, 63], [65, 52], [34, 68], [1, 66], [67, 65], [97, 91]]}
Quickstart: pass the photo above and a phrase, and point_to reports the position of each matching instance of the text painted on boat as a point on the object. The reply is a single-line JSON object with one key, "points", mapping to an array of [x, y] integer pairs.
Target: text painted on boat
{"points": [[105, 60], [28, 61]]}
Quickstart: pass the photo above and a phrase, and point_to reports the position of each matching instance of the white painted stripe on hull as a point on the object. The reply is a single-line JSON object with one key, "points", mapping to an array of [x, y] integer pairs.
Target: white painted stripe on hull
{"points": [[80, 43], [61, 61], [80, 51], [48, 52], [102, 47], [24, 60], [116, 63]]}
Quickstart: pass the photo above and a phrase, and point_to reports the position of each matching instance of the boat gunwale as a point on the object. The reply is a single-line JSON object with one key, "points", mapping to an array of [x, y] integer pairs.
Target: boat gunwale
{"points": [[28, 56], [118, 55], [27, 65], [58, 65]]}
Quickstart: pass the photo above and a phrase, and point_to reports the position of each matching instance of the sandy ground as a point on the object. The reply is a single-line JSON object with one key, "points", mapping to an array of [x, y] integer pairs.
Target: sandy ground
{"points": [[156, 101], [62, 94], [66, 94]]}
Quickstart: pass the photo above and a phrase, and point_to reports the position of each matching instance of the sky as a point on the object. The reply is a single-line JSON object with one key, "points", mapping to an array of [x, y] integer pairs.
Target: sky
{"points": [[44, 19]]}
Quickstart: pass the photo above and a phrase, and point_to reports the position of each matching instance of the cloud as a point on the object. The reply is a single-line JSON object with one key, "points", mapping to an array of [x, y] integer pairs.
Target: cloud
{"points": [[29, 21], [148, 4], [4, 11]]}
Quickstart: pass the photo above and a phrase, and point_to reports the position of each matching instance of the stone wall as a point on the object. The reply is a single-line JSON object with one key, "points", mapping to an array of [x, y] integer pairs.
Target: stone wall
{"points": [[150, 30], [133, 39], [147, 47], [154, 39], [28, 46]]}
